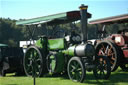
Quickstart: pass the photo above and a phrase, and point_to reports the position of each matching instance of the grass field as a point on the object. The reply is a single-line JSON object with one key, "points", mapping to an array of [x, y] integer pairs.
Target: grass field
{"points": [[117, 78]]}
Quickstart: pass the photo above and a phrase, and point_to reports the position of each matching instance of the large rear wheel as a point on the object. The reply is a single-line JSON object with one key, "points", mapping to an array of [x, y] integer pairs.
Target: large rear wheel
{"points": [[34, 62], [107, 48]]}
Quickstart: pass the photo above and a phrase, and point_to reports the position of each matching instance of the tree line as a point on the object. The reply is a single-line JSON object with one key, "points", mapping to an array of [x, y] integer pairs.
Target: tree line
{"points": [[11, 34]]}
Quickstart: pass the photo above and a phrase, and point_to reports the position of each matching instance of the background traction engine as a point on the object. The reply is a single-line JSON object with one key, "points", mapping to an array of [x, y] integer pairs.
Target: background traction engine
{"points": [[116, 48]]}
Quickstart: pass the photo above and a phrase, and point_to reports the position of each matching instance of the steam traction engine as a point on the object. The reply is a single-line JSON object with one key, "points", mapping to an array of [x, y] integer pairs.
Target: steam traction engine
{"points": [[114, 46], [59, 55]]}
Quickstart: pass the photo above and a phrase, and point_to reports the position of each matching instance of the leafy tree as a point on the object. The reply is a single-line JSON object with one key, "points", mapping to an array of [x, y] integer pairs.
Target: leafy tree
{"points": [[9, 33]]}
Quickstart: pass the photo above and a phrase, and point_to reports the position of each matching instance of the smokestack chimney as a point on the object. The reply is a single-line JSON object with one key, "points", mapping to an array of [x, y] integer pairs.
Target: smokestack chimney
{"points": [[84, 17]]}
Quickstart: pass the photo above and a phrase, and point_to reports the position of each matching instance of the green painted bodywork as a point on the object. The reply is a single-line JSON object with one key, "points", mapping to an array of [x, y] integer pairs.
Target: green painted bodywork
{"points": [[57, 62], [70, 51], [42, 42], [38, 44], [56, 44], [52, 44], [60, 62], [52, 63]]}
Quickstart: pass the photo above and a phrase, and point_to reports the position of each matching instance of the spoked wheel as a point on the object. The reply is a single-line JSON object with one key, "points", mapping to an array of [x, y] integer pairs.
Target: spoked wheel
{"points": [[124, 67], [103, 68], [106, 48], [34, 62], [76, 69]]}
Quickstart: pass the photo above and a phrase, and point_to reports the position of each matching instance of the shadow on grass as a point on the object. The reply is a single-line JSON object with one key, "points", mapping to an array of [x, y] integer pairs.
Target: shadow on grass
{"points": [[63, 76], [115, 78], [15, 76]]}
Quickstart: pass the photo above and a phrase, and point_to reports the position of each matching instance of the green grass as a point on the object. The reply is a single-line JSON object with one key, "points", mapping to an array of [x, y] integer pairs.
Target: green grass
{"points": [[117, 78]]}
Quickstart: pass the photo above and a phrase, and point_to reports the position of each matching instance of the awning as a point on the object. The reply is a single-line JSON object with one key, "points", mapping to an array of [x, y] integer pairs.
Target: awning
{"points": [[53, 19], [110, 20], [3, 45]]}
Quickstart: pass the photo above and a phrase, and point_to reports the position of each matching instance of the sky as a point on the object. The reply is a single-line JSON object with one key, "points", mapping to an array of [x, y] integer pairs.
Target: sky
{"points": [[26, 9]]}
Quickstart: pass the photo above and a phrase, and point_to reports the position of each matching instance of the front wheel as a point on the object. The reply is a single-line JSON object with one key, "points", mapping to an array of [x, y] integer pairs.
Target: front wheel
{"points": [[103, 68], [76, 69]]}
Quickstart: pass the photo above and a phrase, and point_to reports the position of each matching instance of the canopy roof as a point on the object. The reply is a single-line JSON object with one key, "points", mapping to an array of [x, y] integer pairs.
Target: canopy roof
{"points": [[110, 20], [3, 45], [53, 19]]}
